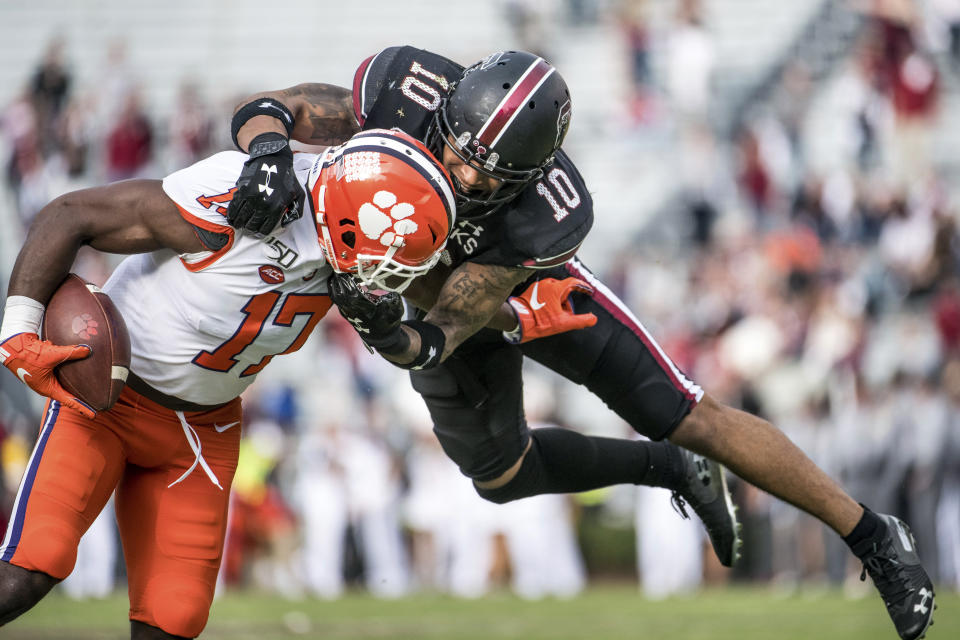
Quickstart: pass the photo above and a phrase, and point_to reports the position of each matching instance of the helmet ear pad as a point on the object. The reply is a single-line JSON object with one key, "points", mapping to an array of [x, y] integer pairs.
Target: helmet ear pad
{"points": [[385, 208]]}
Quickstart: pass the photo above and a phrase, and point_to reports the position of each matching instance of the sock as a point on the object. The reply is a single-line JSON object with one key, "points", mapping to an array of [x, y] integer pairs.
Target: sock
{"points": [[575, 462], [868, 526], [564, 461]]}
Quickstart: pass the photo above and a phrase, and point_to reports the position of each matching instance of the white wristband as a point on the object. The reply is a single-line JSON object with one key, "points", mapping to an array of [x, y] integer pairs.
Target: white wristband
{"points": [[21, 315], [514, 336]]}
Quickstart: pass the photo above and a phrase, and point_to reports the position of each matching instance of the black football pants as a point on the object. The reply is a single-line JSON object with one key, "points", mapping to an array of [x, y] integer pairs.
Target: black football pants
{"points": [[475, 397]]}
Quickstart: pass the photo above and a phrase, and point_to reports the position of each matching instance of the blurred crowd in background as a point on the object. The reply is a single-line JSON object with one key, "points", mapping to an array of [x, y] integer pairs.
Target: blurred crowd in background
{"points": [[821, 294]]}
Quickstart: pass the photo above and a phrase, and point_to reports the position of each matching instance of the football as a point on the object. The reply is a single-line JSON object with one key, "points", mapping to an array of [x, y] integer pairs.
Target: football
{"points": [[80, 313]]}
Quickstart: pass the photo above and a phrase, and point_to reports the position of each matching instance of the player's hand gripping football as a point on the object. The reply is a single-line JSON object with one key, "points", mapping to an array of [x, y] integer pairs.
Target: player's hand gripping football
{"points": [[374, 317], [267, 188], [544, 309], [33, 361]]}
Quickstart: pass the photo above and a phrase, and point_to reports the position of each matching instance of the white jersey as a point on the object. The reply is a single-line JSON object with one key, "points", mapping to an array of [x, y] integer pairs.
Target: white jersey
{"points": [[203, 325]]}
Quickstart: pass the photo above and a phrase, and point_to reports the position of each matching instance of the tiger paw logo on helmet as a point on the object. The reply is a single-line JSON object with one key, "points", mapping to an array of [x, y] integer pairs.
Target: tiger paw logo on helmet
{"points": [[386, 220]]}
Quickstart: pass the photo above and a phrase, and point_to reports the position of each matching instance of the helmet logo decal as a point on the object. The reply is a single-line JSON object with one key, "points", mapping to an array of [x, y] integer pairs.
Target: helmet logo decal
{"points": [[491, 60], [389, 148], [479, 147], [563, 121], [390, 228], [519, 94], [358, 166]]}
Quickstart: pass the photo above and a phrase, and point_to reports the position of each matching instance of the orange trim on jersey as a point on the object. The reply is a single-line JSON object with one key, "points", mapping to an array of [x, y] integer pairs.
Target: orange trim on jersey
{"points": [[209, 226]]}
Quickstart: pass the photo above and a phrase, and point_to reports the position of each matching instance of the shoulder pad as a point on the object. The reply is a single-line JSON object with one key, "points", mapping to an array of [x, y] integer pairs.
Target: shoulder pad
{"points": [[548, 222], [368, 79], [402, 87]]}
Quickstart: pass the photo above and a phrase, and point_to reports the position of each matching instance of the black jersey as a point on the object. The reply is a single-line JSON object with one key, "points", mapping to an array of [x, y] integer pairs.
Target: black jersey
{"points": [[542, 227]]}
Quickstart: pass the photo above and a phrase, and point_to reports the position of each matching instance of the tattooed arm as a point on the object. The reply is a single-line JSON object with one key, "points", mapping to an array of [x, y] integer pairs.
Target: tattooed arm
{"points": [[472, 297], [323, 115]]}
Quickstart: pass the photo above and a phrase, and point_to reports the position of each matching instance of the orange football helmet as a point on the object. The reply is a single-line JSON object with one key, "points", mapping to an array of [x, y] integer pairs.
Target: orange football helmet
{"points": [[384, 208]]}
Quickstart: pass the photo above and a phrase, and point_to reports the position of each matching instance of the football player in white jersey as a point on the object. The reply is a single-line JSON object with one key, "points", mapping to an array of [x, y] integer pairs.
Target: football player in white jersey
{"points": [[207, 307]]}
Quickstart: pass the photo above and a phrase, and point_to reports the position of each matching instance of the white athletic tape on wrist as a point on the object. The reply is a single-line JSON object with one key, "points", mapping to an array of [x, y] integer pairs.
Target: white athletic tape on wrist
{"points": [[21, 315], [514, 336]]}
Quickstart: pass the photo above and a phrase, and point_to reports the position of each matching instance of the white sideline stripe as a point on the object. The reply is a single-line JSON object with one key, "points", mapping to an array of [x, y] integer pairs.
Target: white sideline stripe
{"points": [[16, 503], [689, 385]]}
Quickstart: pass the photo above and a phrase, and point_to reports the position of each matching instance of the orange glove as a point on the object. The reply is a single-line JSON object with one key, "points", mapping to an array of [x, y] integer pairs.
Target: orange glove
{"points": [[544, 309], [33, 361]]}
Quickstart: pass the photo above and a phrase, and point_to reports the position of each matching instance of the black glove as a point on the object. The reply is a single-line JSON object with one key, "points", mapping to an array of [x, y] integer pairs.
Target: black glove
{"points": [[267, 189], [376, 318]]}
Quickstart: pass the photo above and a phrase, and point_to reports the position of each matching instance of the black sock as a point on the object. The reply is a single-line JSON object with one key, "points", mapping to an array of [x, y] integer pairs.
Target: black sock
{"points": [[868, 526], [666, 466], [564, 461], [574, 462]]}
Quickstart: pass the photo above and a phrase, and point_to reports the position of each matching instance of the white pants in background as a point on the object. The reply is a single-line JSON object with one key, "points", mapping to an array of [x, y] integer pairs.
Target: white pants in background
{"points": [[670, 548], [93, 576]]}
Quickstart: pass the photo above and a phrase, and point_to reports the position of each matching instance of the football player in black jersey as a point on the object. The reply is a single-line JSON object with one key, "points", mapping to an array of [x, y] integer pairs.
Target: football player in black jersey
{"points": [[511, 287]]}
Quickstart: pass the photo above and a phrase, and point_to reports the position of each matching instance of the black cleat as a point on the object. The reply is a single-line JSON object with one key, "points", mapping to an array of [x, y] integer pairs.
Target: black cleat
{"points": [[891, 559], [705, 489]]}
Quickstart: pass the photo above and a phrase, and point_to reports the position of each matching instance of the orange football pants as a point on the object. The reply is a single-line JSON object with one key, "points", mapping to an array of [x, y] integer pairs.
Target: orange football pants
{"points": [[172, 523]]}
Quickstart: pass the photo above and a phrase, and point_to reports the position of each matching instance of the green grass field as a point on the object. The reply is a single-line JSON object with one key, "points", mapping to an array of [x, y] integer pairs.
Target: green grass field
{"points": [[609, 612]]}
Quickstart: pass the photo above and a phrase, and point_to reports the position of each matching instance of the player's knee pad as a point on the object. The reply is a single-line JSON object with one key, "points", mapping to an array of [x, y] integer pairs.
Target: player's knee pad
{"points": [[54, 552], [434, 383], [71, 483], [528, 481], [483, 437], [641, 386], [46, 545], [177, 604]]}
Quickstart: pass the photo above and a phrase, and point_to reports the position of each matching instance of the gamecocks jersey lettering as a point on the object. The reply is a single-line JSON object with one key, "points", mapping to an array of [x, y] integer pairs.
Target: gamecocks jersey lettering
{"points": [[543, 227]]}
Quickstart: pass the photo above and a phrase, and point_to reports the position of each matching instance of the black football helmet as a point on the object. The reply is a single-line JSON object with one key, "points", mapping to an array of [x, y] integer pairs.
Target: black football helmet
{"points": [[506, 117]]}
